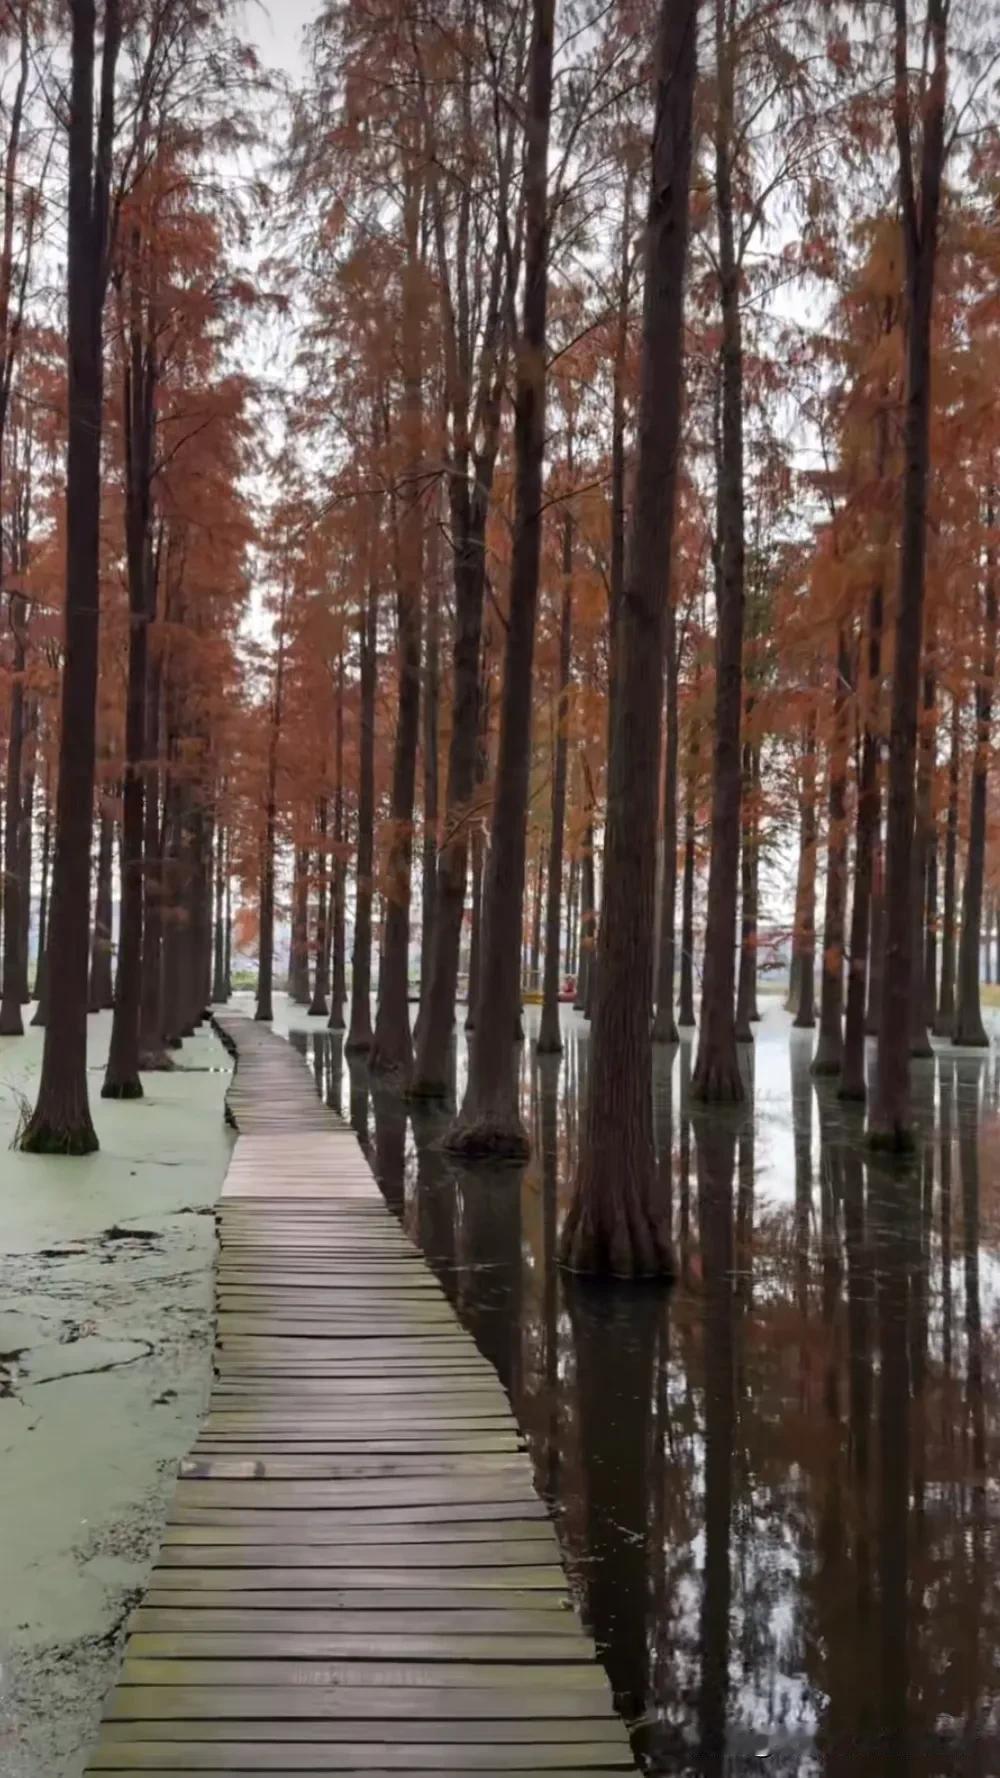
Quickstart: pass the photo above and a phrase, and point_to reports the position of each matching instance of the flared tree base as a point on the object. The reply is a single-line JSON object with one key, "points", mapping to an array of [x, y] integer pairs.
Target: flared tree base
{"points": [[357, 1045], [549, 1043], [130, 1088], [826, 1063], [45, 1137], [617, 1240], [853, 1092], [664, 1028], [744, 1034], [336, 1020], [488, 1139], [11, 1022], [718, 1081], [972, 1039], [318, 1009]]}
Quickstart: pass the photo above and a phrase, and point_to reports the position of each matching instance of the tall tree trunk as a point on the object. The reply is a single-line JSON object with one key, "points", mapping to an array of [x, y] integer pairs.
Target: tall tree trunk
{"points": [[489, 1124], [549, 1034], [101, 993], [432, 699], [746, 989], [587, 936], [876, 944], [153, 1053], [572, 892], [264, 1010], [830, 1046], [867, 818], [228, 964], [338, 991], [890, 1115], [219, 945], [805, 907], [15, 889], [121, 1078], [945, 1020], [43, 896], [717, 1070], [617, 1222], [538, 901], [685, 1007], [931, 928], [475, 927], [318, 1005], [969, 1028], [298, 947], [923, 846], [392, 1047], [359, 1037], [664, 1023], [26, 843], [61, 1121]]}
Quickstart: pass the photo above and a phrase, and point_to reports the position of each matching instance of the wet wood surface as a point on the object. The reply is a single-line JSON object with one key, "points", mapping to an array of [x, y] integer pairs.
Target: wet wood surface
{"points": [[356, 1574]]}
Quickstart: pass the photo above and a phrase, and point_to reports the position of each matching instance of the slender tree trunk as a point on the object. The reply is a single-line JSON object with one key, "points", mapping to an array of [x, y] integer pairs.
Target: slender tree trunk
{"points": [[475, 928], [685, 1009], [338, 991], [945, 1020], [298, 947], [61, 1121], [392, 1047], [664, 1024], [867, 818], [923, 846], [538, 901], [489, 1124], [43, 897], [318, 1005], [890, 1115], [805, 911], [830, 1047], [228, 965], [550, 1034], [432, 698], [15, 889], [931, 929], [969, 1028], [153, 1053], [876, 946], [25, 847], [617, 1221], [219, 945], [572, 892], [101, 993], [264, 1010], [359, 1037], [717, 1070], [746, 990], [587, 935]]}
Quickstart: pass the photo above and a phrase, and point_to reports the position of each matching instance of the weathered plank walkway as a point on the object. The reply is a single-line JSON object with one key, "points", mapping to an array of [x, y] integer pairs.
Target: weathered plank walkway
{"points": [[356, 1574]]}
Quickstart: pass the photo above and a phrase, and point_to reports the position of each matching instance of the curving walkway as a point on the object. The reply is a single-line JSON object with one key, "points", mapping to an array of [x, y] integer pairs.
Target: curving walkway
{"points": [[356, 1574]]}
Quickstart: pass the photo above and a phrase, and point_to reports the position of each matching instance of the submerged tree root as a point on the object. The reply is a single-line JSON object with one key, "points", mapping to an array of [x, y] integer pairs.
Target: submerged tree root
{"points": [[122, 1089], [488, 1139], [719, 1083], [616, 1240], [43, 1137]]}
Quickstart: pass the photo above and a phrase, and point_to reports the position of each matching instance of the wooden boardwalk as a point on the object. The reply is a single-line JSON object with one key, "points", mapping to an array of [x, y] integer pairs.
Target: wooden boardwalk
{"points": [[356, 1573]]}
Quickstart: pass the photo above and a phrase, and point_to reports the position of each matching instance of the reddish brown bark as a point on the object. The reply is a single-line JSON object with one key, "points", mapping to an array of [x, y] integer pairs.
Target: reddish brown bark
{"points": [[359, 1037], [489, 1124], [549, 1033], [617, 1221], [61, 1121]]}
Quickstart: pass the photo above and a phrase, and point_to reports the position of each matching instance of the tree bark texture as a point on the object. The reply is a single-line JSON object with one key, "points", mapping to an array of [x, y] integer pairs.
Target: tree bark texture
{"points": [[549, 1033]]}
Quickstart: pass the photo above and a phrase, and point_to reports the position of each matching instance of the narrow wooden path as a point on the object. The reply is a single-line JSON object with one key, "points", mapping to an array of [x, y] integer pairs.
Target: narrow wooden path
{"points": [[356, 1574]]}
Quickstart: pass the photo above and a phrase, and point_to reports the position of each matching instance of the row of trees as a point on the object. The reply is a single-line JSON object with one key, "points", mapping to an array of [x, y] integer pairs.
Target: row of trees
{"points": [[602, 535]]}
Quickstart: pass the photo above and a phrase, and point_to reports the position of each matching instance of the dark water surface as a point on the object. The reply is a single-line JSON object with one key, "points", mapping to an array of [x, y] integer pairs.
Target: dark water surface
{"points": [[775, 1483]]}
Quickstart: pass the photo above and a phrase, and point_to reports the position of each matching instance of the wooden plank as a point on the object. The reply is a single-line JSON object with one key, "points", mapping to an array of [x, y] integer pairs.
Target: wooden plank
{"points": [[237, 1758], [259, 1588], [531, 1554], [605, 1731], [215, 1668], [344, 1756], [327, 1529], [356, 1518], [365, 1628], [252, 1699]]}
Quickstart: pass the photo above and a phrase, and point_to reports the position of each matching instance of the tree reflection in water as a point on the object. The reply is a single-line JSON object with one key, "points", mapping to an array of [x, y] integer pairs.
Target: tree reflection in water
{"points": [[774, 1483]]}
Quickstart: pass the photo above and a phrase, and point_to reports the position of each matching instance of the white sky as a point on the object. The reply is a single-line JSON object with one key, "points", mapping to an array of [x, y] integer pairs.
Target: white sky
{"points": [[276, 31]]}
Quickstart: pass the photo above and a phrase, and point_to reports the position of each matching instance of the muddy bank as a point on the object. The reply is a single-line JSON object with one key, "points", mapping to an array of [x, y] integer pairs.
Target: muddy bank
{"points": [[105, 1358]]}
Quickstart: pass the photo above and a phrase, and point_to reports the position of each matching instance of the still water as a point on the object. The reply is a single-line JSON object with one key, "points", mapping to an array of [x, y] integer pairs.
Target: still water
{"points": [[775, 1483]]}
